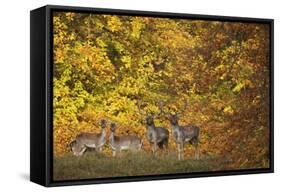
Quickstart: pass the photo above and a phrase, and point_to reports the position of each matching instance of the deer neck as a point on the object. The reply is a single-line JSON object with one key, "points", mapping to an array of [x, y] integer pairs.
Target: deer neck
{"points": [[111, 138], [103, 133], [151, 127], [111, 135], [175, 125]]}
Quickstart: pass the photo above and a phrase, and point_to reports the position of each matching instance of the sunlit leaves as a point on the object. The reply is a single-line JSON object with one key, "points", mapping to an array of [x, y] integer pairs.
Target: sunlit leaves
{"points": [[104, 64], [137, 26], [114, 23]]}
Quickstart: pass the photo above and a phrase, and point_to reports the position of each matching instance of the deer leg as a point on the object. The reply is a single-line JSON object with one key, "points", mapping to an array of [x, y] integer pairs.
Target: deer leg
{"points": [[100, 149], [197, 151], [181, 146], [140, 145], [179, 151], [113, 153], [154, 148], [82, 151], [166, 146]]}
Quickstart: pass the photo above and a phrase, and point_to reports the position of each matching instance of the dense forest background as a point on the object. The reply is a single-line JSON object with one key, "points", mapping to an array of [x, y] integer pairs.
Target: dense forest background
{"points": [[105, 64]]}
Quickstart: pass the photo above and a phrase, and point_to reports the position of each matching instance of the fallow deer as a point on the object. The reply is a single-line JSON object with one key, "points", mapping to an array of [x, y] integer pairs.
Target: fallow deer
{"points": [[184, 134], [156, 136], [89, 140], [120, 143]]}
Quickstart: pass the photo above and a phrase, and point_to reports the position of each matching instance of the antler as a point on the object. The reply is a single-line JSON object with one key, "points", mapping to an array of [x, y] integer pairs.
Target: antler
{"points": [[161, 106], [183, 109], [139, 103]]}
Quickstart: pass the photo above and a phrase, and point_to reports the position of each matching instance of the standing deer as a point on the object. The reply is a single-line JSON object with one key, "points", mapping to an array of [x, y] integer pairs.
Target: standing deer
{"points": [[156, 136], [184, 134], [89, 140], [120, 143]]}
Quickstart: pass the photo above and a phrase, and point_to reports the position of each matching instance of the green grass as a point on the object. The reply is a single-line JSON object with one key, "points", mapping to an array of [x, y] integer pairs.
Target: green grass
{"points": [[97, 165]]}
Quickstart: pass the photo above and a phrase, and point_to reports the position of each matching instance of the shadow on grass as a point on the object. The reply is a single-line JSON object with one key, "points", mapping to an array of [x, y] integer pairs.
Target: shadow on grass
{"points": [[24, 176]]}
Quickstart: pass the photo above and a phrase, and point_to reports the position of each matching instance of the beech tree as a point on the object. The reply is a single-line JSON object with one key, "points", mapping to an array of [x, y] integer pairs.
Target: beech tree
{"points": [[105, 64]]}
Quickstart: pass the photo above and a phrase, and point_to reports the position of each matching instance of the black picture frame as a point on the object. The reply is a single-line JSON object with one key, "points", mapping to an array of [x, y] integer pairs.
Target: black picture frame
{"points": [[41, 59]]}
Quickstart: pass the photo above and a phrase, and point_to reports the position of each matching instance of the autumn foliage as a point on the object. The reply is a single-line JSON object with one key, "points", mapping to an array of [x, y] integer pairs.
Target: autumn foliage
{"points": [[105, 64]]}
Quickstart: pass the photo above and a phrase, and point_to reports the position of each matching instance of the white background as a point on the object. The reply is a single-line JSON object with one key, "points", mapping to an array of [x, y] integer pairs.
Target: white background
{"points": [[14, 95]]}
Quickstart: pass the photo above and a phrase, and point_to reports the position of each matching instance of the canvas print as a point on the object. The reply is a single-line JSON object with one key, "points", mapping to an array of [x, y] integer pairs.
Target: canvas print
{"points": [[143, 95]]}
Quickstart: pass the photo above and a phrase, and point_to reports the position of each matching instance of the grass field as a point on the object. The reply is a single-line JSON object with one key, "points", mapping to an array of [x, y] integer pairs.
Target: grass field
{"points": [[97, 165]]}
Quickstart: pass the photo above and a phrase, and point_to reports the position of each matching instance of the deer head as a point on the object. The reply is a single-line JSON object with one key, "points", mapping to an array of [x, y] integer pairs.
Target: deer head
{"points": [[112, 127], [103, 123]]}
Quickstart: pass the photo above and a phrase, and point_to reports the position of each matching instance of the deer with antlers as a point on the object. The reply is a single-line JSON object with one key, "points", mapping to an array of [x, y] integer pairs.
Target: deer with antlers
{"points": [[156, 136], [183, 134]]}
